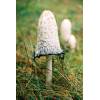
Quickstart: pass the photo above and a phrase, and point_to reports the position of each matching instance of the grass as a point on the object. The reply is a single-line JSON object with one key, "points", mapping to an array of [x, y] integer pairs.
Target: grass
{"points": [[30, 75]]}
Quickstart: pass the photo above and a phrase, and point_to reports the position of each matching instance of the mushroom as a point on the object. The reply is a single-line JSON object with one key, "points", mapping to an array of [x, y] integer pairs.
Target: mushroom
{"points": [[72, 43], [47, 41], [67, 38], [65, 29]]}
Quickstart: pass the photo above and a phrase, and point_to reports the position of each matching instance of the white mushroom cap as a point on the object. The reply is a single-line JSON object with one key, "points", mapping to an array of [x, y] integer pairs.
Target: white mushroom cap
{"points": [[72, 42], [65, 29], [47, 35]]}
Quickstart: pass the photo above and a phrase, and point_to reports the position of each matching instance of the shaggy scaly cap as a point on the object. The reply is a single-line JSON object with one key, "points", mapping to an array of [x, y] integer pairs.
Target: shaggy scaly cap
{"points": [[65, 29], [47, 35]]}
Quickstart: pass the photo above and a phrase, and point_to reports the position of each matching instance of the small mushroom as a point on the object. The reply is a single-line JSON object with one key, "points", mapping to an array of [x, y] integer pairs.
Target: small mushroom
{"points": [[72, 43], [65, 29], [67, 38], [47, 41]]}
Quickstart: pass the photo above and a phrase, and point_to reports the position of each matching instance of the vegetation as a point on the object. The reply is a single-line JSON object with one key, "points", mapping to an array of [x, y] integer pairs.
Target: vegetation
{"points": [[30, 75]]}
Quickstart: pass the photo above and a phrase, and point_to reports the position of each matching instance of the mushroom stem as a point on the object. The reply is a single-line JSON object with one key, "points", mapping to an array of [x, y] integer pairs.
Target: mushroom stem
{"points": [[49, 70]]}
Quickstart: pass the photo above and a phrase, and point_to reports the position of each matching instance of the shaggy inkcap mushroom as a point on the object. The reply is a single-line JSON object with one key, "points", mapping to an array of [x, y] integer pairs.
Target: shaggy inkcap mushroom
{"points": [[72, 42], [66, 34], [65, 29], [47, 41], [47, 35]]}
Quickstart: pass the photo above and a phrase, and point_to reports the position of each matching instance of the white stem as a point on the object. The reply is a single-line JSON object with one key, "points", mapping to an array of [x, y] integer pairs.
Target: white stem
{"points": [[49, 70]]}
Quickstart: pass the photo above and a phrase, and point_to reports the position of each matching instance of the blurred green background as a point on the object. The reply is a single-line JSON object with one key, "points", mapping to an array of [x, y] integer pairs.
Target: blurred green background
{"points": [[30, 77]]}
